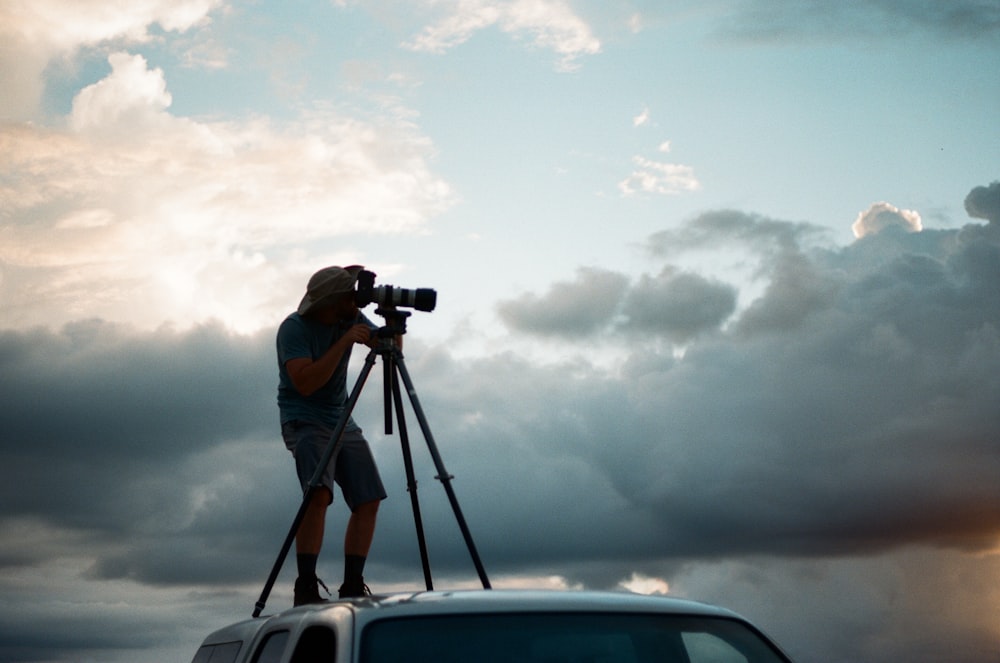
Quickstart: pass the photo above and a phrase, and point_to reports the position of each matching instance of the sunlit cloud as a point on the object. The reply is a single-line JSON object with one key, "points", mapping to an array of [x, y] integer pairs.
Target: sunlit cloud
{"points": [[184, 216], [656, 177], [548, 24], [880, 216], [641, 584], [34, 33]]}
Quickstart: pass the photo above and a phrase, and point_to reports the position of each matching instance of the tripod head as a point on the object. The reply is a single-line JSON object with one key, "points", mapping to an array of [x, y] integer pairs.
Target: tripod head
{"points": [[395, 322]]}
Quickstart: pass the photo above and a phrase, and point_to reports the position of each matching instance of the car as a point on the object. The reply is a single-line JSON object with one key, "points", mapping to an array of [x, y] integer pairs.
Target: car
{"points": [[495, 626]]}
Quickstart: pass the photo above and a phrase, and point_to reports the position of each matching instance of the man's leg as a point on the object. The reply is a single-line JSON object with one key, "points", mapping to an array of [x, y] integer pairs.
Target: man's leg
{"points": [[363, 491], [361, 529], [308, 542], [309, 538], [357, 542]]}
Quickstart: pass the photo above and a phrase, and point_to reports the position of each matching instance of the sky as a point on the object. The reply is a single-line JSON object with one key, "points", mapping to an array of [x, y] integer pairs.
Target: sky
{"points": [[717, 314]]}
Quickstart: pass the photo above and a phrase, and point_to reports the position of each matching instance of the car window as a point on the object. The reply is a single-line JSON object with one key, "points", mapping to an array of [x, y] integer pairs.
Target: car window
{"points": [[271, 649], [221, 653], [203, 654], [317, 644], [709, 648], [564, 638]]}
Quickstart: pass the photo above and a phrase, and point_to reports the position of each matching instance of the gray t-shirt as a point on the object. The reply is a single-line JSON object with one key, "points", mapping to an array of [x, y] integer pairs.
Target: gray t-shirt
{"points": [[303, 337]]}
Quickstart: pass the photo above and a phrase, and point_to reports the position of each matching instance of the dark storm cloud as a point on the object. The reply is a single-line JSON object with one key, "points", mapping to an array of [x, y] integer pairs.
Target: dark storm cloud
{"points": [[93, 411], [575, 308], [983, 202], [849, 409], [677, 305], [132, 458], [726, 228], [147, 394], [797, 19], [680, 305]]}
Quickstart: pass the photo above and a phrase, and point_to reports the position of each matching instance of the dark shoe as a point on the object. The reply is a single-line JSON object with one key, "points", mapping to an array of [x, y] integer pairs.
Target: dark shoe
{"points": [[354, 590], [307, 591]]}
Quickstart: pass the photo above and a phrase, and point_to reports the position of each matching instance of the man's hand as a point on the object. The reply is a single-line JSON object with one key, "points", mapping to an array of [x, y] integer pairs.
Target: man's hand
{"points": [[307, 376], [359, 333]]}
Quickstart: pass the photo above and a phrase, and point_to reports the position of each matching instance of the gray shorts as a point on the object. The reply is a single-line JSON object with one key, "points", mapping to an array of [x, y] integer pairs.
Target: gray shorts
{"points": [[352, 467]]}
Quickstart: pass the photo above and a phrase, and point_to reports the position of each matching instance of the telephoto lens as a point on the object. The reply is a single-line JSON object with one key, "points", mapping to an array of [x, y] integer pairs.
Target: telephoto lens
{"points": [[422, 299]]}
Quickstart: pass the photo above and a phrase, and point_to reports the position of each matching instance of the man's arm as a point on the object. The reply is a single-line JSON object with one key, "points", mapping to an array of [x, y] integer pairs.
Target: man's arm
{"points": [[308, 375]]}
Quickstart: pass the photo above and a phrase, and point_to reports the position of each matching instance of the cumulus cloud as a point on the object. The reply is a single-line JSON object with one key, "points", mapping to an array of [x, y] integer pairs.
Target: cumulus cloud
{"points": [[677, 305], [131, 89], [849, 411], [983, 202], [864, 422], [893, 591], [837, 399], [674, 304], [576, 308], [548, 24], [882, 215], [34, 33], [181, 214]]}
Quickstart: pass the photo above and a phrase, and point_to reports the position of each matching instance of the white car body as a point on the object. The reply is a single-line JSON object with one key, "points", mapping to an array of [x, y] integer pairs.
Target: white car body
{"points": [[495, 626]]}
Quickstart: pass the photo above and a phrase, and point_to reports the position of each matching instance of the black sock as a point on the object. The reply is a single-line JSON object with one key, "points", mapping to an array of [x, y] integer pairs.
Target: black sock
{"points": [[306, 564], [354, 569]]}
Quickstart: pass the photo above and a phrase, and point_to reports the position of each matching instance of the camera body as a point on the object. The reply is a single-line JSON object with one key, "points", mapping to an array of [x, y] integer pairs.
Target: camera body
{"points": [[422, 299]]}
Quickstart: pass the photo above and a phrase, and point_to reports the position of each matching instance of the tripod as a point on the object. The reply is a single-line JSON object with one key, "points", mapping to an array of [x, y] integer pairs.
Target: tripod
{"points": [[394, 370]]}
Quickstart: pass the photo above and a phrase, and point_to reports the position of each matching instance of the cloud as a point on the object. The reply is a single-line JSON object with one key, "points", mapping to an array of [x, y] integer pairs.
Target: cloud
{"points": [[848, 408], [113, 411], [130, 90], [812, 435], [728, 228], [983, 202], [677, 305], [674, 304], [880, 216], [659, 178], [549, 24], [577, 308], [888, 595], [34, 33], [180, 214], [769, 20]]}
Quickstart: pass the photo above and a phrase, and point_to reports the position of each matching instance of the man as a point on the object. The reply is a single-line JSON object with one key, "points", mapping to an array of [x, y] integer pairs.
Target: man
{"points": [[314, 348]]}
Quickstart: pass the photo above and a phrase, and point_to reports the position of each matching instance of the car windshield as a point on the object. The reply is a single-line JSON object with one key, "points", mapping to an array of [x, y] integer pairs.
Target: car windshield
{"points": [[565, 638]]}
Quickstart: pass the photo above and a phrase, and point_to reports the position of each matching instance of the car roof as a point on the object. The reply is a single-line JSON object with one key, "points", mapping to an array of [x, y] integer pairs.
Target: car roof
{"points": [[415, 604], [507, 600], [240, 631]]}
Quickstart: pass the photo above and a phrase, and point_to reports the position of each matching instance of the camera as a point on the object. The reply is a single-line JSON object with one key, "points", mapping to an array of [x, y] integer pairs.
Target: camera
{"points": [[422, 299]]}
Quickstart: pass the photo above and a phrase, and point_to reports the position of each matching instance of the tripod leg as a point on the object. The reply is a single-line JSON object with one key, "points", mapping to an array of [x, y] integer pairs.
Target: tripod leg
{"points": [[411, 481], [285, 547], [386, 391], [316, 481], [443, 475]]}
